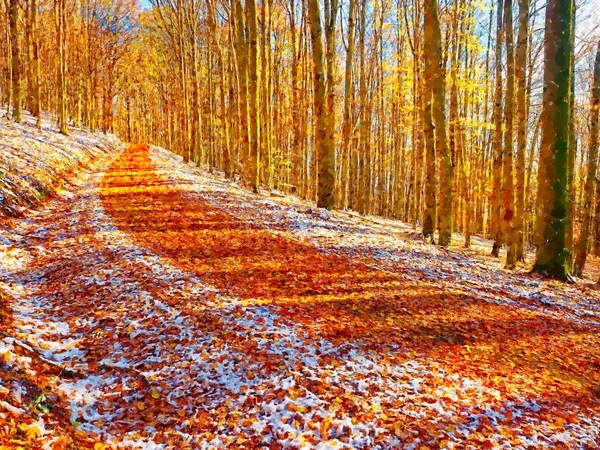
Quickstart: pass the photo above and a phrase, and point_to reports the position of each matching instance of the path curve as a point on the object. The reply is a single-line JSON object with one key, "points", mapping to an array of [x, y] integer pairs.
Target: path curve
{"points": [[199, 316]]}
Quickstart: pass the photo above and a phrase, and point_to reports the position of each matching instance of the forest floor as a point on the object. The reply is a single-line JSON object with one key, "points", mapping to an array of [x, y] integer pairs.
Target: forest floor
{"points": [[153, 305]]}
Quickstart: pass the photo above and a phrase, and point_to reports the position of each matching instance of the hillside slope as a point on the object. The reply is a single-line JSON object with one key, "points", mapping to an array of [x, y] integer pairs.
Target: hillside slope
{"points": [[35, 166], [156, 306], [34, 163]]}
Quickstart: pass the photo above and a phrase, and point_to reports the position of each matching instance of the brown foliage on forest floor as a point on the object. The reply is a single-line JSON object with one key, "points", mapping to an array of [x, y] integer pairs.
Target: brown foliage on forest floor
{"points": [[195, 314]]}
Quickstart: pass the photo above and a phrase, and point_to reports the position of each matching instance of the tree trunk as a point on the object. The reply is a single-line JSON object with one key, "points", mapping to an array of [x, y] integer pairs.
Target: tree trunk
{"points": [[426, 100], [61, 19], [496, 231], [522, 119], [254, 90], [507, 169], [348, 101], [362, 160], [224, 116], [35, 47], [324, 141], [242, 61], [16, 76], [433, 52], [327, 188], [552, 198], [591, 180]]}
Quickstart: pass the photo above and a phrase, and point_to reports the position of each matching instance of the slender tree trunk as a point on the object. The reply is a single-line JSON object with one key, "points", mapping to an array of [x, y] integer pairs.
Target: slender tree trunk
{"points": [[496, 230], [35, 49], [195, 143], [324, 141], [265, 138], [572, 156], [327, 189], [28, 58], [591, 180], [507, 186], [242, 60], [16, 76], [61, 19], [433, 51], [224, 115], [434, 119], [252, 23], [429, 215], [348, 102], [186, 149], [522, 119], [363, 191]]}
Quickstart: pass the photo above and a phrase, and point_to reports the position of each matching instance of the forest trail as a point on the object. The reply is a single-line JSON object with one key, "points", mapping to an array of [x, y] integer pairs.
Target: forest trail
{"points": [[192, 314]]}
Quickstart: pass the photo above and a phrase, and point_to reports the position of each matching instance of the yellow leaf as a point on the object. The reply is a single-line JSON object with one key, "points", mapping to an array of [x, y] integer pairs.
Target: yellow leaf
{"points": [[295, 408], [32, 430], [99, 446], [398, 430], [155, 394]]}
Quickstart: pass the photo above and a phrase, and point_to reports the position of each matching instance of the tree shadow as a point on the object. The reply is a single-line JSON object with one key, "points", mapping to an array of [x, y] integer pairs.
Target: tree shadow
{"points": [[370, 307]]}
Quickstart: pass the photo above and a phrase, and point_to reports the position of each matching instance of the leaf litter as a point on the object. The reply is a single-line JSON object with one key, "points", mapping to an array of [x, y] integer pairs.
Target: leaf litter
{"points": [[184, 312]]}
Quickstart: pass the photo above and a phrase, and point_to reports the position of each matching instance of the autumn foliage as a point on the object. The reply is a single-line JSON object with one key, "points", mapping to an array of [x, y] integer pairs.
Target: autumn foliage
{"points": [[197, 314]]}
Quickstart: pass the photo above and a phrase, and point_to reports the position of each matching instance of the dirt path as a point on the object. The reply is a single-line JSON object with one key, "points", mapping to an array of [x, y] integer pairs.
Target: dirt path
{"points": [[194, 315]]}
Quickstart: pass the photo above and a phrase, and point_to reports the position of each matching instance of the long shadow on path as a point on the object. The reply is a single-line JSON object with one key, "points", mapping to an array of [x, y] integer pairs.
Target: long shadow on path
{"points": [[512, 350]]}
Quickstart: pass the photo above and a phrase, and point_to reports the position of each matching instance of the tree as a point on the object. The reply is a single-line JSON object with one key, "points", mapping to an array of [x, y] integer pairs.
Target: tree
{"points": [[326, 191], [348, 98], [17, 82], [35, 55], [217, 46], [521, 99], [60, 15], [552, 197], [324, 140], [435, 69], [592, 165], [242, 70], [429, 214], [182, 75], [254, 99], [507, 186], [496, 230]]}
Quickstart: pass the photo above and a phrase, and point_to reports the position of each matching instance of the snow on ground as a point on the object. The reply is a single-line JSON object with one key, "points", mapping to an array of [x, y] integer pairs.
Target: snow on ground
{"points": [[339, 234], [33, 163], [192, 314], [384, 241]]}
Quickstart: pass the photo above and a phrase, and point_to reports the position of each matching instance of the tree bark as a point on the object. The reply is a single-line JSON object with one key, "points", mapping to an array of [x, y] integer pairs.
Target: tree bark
{"points": [[496, 231], [16, 76], [324, 141], [507, 163], [252, 23], [552, 198], [35, 49], [592, 165], [348, 101], [435, 62], [522, 120], [61, 19]]}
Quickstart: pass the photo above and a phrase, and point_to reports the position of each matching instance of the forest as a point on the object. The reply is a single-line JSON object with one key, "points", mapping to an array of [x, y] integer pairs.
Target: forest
{"points": [[299, 224], [450, 117]]}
